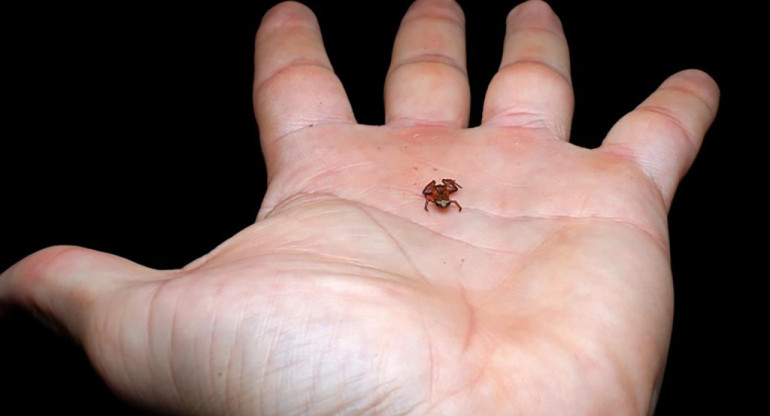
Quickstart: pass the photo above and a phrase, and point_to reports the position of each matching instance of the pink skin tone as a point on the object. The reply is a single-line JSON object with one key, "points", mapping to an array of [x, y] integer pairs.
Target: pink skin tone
{"points": [[550, 294]]}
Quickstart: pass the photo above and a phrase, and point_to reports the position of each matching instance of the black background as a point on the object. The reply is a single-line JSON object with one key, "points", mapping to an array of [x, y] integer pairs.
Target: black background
{"points": [[131, 131]]}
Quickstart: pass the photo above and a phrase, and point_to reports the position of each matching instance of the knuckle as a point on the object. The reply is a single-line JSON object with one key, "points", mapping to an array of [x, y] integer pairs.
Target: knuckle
{"points": [[536, 70]]}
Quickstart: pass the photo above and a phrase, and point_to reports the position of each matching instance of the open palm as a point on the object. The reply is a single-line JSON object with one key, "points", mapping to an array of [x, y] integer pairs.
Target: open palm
{"points": [[550, 293]]}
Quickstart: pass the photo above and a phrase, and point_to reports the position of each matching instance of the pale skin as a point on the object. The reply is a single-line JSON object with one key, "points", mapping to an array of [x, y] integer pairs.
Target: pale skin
{"points": [[549, 294]]}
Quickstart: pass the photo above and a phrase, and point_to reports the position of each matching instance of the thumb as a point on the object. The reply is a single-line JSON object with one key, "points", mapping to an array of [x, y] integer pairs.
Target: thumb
{"points": [[64, 285]]}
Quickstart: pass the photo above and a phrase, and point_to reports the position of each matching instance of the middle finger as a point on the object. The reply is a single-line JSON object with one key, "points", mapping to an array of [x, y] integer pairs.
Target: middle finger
{"points": [[427, 83]]}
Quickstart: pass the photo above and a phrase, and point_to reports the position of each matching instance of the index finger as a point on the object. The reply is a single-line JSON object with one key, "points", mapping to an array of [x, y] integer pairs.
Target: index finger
{"points": [[294, 83]]}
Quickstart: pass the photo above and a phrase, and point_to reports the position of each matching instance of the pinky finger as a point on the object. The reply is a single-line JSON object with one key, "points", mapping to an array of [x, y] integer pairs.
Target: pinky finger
{"points": [[663, 135]]}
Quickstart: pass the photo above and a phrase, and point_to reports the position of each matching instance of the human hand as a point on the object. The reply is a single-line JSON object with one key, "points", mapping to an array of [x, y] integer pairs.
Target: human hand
{"points": [[550, 291]]}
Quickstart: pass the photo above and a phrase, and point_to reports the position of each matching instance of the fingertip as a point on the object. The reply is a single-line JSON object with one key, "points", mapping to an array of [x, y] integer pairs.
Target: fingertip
{"points": [[287, 11], [533, 12], [284, 16], [699, 84], [446, 8]]}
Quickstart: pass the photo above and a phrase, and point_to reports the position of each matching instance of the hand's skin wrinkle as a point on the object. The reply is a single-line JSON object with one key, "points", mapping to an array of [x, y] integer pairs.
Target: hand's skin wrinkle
{"points": [[432, 369], [300, 65], [313, 288], [314, 178], [316, 108], [659, 236], [308, 368], [684, 133], [115, 347], [692, 92], [153, 338], [520, 117], [315, 273], [544, 36], [471, 325], [178, 341], [395, 241], [235, 386], [429, 62], [505, 262], [500, 112], [524, 67]]}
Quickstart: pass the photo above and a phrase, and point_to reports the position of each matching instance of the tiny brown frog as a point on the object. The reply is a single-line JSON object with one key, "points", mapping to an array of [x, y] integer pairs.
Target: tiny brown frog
{"points": [[439, 194]]}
